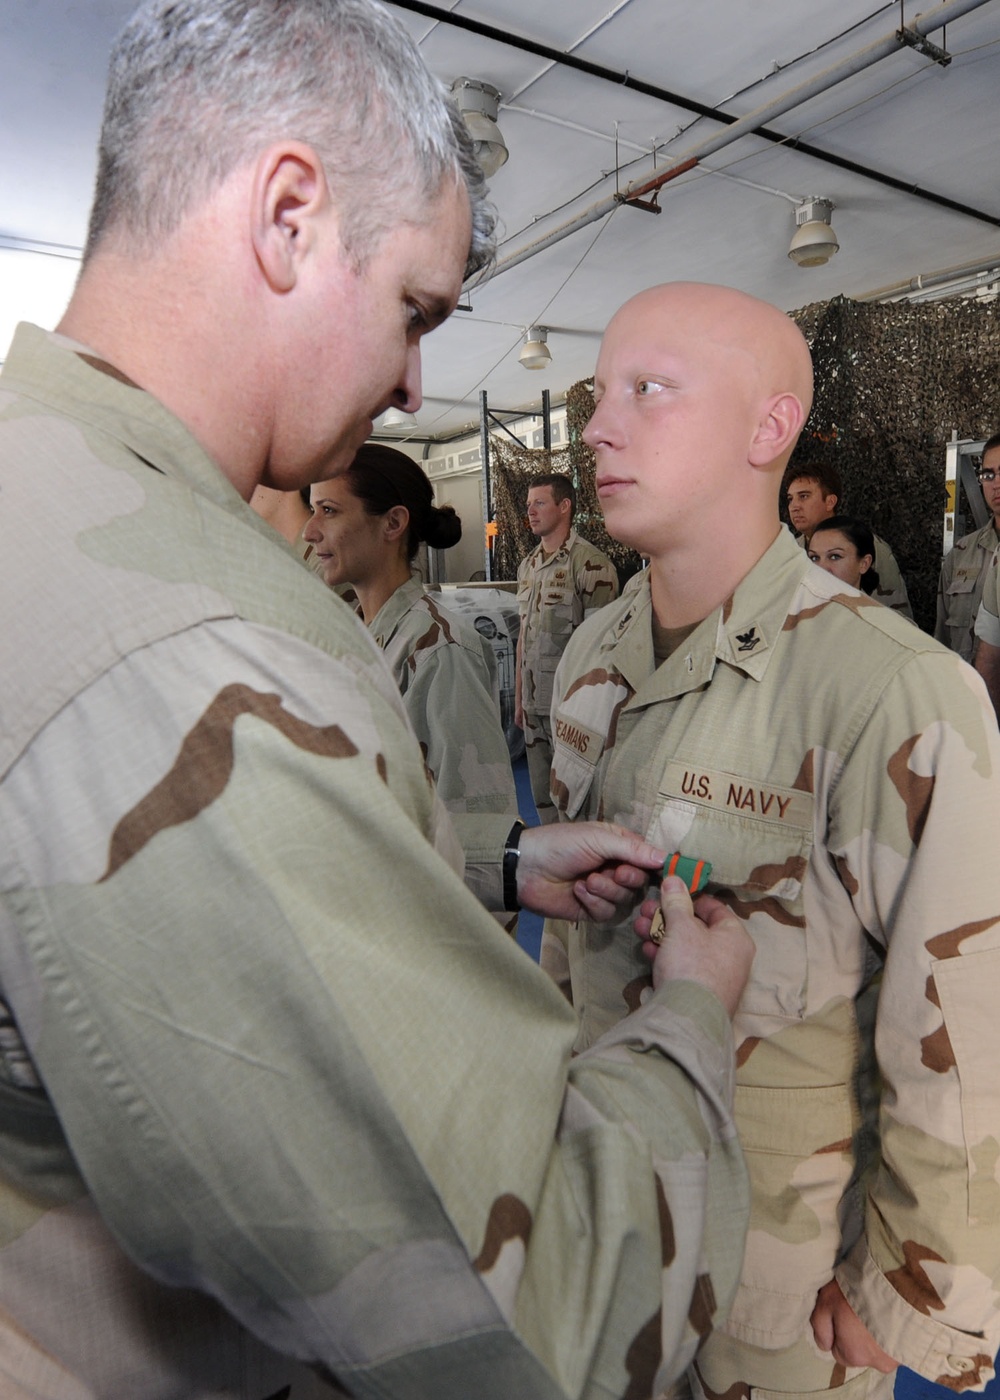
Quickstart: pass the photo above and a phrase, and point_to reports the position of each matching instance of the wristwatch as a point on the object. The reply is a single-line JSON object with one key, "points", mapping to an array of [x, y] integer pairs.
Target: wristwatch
{"points": [[511, 855]]}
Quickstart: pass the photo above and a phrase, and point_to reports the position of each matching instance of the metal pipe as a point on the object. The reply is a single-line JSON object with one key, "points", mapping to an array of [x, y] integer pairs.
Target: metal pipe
{"points": [[921, 282], [753, 123], [687, 104], [484, 452]]}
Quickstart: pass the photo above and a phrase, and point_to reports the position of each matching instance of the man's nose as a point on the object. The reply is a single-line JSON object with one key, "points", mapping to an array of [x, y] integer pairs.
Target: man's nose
{"points": [[409, 391], [602, 430]]}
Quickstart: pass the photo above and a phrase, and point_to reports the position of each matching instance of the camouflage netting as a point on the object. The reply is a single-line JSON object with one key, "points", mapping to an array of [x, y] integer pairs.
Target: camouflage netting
{"points": [[511, 467], [892, 383]]}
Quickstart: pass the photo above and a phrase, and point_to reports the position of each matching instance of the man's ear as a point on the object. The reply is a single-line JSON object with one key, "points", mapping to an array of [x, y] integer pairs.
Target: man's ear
{"points": [[396, 522], [781, 420], [289, 191]]}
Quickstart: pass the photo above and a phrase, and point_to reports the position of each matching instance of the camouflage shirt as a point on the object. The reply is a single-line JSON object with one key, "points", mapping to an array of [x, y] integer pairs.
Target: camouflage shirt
{"points": [[267, 1068], [960, 588], [840, 771], [554, 595], [891, 591], [440, 667]]}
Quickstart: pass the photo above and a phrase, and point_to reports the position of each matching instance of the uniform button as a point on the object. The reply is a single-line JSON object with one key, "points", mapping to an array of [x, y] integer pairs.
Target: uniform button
{"points": [[961, 1364]]}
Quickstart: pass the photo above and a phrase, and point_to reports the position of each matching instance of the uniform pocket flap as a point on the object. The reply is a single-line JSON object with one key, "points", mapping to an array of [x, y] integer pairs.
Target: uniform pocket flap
{"points": [[794, 1122]]}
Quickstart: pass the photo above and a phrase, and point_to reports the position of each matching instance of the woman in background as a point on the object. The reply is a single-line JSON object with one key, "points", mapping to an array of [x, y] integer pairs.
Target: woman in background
{"points": [[845, 547], [366, 528]]}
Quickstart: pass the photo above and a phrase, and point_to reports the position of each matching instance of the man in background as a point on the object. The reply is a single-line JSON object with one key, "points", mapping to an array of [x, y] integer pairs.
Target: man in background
{"points": [[837, 770], [965, 566], [282, 1112], [813, 492], [562, 581]]}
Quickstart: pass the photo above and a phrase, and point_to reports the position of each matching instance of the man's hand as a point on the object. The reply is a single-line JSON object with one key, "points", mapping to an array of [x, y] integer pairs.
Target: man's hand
{"points": [[582, 870], [518, 715], [704, 942], [838, 1330]]}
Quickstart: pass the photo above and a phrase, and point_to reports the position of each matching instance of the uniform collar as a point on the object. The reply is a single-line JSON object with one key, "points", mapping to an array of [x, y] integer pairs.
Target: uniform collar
{"points": [[741, 633], [395, 608], [561, 553]]}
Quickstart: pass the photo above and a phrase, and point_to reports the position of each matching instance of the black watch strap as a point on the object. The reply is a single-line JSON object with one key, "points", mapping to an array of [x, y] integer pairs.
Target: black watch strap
{"points": [[511, 855]]}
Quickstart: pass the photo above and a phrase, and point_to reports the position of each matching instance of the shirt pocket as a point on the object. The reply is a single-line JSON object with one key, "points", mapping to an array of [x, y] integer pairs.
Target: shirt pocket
{"points": [[964, 581], [557, 607], [759, 839], [798, 1148]]}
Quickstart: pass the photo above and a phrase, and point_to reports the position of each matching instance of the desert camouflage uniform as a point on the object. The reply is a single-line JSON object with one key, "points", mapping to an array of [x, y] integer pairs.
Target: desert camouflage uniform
{"points": [[554, 595], [267, 1068], [440, 667], [891, 591], [960, 588], [988, 616], [840, 771], [439, 664]]}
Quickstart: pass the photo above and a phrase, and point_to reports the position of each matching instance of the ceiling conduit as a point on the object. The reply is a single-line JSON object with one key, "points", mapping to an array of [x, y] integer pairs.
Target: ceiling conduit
{"points": [[649, 175], [689, 104]]}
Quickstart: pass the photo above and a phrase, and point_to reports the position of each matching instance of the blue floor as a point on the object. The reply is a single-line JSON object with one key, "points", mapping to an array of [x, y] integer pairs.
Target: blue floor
{"points": [[909, 1386], [912, 1387], [529, 926]]}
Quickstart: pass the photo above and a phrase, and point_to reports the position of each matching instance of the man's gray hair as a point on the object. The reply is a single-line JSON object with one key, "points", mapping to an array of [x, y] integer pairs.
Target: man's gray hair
{"points": [[198, 87]]}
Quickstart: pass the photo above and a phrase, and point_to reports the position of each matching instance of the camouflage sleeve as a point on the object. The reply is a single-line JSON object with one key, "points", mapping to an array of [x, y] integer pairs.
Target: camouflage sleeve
{"points": [[941, 630], [301, 1069], [597, 585], [451, 708], [916, 848], [988, 617], [523, 588], [891, 591]]}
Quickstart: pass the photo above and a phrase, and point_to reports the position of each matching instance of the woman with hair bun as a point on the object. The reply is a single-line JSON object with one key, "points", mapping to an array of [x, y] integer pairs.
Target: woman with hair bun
{"points": [[366, 528], [845, 547]]}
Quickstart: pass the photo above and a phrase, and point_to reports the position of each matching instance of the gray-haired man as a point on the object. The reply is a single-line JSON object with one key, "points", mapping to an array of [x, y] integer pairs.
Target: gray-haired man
{"points": [[272, 1083]]}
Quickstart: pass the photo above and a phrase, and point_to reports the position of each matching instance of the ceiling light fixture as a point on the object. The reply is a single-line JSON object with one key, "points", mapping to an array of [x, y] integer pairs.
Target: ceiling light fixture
{"points": [[478, 104], [535, 354], [814, 241], [396, 418]]}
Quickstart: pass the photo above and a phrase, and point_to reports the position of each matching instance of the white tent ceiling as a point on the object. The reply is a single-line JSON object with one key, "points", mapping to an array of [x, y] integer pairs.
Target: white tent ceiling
{"points": [[925, 126]]}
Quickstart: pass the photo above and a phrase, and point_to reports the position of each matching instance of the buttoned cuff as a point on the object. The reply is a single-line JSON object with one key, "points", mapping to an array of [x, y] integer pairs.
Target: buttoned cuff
{"points": [[939, 1353]]}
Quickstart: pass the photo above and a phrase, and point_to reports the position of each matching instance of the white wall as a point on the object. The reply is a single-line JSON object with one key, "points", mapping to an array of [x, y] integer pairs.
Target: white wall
{"points": [[455, 470], [465, 493]]}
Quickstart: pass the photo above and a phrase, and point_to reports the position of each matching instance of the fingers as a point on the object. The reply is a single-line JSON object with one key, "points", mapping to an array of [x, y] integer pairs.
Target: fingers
{"points": [[838, 1329], [711, 911], [593, 906], [617, 844], [674, 895], [714, 950], [822, 1326]]}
